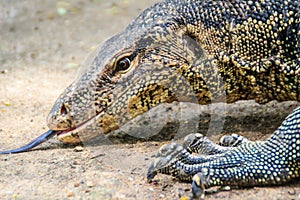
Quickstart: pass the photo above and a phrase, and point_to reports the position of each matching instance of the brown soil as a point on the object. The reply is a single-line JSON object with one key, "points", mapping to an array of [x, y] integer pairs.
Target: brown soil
{"points": [[43, 43]]}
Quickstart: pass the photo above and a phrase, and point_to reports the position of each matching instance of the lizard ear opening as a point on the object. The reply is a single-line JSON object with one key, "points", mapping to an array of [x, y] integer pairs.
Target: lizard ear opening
{"points": [[193, 48]]}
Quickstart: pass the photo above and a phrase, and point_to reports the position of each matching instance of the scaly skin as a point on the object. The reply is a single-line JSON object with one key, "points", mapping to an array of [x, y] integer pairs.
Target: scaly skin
{"points": [[201, 51], [270, 162], [187, 50]]}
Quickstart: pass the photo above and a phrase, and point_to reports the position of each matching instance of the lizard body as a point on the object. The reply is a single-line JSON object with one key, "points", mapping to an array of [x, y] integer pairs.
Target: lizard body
{"points": [[188, 51], [202, 51]]}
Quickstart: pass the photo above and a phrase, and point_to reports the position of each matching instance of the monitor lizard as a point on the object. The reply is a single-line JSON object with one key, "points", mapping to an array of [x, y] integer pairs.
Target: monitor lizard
{"points": [[193, 50]]}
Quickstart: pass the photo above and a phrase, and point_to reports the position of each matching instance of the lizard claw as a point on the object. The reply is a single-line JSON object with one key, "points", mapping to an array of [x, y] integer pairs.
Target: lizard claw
{"points": [[232, 140], [193, 142], [165, 156], [198, 188]]}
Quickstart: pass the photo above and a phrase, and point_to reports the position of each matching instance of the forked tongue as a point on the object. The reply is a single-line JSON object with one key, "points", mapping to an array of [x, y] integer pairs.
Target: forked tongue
{"points": [[42, 138]]}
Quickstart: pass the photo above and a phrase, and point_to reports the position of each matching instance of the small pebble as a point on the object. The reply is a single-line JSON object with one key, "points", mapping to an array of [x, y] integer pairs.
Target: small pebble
{"points": [[14, 196], [61, 11], [76, 184], [33, 55], [70, 194], [71, 65], [184, 198], [90, 184], [75, 162], [226, 188], [5, 71], [7, 103], [292, 192], [78, 149]]}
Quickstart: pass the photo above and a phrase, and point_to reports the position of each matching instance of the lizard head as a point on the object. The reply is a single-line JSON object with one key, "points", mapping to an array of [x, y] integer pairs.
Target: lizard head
{"points": [[145, 65]]}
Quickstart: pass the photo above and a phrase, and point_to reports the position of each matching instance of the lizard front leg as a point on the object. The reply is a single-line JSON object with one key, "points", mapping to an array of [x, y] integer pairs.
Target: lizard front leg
{"points": [[270, 162]]}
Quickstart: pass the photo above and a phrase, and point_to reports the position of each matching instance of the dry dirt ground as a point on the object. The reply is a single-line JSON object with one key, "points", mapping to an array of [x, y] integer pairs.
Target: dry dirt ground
{"points": [[43, 43]]}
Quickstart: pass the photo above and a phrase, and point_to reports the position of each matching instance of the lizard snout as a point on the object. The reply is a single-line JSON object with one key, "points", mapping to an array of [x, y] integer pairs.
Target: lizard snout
{"points": [[60, 117]]}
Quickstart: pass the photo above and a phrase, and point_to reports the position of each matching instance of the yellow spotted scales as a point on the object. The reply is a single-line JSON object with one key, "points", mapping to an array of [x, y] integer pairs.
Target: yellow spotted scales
{"points": [[184, 50], [200, 51]]}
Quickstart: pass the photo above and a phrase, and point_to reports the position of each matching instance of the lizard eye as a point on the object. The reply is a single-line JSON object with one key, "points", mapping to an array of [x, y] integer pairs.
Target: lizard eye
{"points": [[123, 64]]}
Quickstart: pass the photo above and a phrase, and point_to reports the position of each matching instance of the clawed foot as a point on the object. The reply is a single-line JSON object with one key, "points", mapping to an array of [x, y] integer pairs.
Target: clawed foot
{"points": [[179, 161], [165, 157], [171, 156]]}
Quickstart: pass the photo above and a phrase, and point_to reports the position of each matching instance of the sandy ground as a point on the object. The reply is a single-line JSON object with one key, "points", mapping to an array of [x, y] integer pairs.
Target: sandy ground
{"points": [[43, 43]]}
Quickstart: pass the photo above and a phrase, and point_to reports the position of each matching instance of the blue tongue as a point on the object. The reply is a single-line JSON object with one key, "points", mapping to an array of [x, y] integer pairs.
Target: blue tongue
{"points": [[42, 138]]}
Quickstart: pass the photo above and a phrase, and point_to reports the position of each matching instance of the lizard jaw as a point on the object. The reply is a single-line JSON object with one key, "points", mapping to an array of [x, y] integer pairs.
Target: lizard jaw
{"points": [[71, 135], [97, 125]]}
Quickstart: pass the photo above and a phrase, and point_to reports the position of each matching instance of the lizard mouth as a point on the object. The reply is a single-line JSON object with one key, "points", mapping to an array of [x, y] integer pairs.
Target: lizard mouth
{"points": [[99, 124], [71, 135], [78, 133]]}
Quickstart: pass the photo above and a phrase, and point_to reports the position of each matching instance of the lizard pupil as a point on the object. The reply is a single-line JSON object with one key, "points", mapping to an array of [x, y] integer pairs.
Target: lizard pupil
{"points": [[123, 64]]}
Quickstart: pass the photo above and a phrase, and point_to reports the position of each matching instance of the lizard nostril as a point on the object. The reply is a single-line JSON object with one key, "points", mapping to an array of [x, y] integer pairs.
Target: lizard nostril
{"points": [[63, 110]]}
